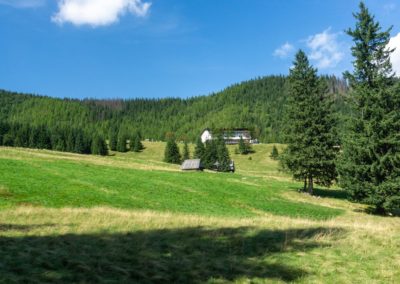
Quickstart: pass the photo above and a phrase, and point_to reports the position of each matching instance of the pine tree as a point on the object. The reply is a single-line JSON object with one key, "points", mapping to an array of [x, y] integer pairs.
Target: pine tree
{"points": [[274, 153], [21, 136], [310, 135], [3, 131], [199, 149], [87, 144], [58, 143], [137, 145], [112, 139], [8, 139], [99, 146], [186, 153], [43, 138], [121, 143], [370, 163], [210, 156], [171, 154], [242, 146], [70, 142], [79, 144], [223, 158]]}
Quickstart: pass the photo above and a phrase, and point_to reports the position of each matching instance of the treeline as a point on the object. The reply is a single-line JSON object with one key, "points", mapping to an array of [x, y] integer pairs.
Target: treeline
{"points": [[256, 104], [58, 139]]}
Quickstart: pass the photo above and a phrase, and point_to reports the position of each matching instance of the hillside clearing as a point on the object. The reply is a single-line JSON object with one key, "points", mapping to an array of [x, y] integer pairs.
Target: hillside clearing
{"points": [[71, 218]]}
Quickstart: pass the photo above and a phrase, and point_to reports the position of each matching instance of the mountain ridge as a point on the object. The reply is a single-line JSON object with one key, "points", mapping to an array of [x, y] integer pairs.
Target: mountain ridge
{"points": [[255, 104]]}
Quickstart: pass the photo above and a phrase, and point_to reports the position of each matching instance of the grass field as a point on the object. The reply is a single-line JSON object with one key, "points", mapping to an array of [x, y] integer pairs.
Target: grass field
{"points": [[130, 217]]}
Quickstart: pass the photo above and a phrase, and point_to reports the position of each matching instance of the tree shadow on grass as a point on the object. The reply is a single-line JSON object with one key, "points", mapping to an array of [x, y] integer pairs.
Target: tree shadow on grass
{"points": [[188, 255], [331, 193], [326, 193], [22, 228]]}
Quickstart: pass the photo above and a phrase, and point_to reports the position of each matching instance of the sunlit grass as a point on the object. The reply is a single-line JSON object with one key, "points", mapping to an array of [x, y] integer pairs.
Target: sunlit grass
{"points": [[130, 217]]}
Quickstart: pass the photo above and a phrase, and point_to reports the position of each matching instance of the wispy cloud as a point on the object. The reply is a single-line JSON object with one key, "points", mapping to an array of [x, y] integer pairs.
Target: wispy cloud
{"points": [[23, 3], [98, 12], [389, 7], [395, 57], [284, 51], [325, 49]]}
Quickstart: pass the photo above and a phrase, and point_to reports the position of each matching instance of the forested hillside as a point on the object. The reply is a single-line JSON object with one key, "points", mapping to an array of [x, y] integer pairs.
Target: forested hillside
{"points": [[256, 104]]}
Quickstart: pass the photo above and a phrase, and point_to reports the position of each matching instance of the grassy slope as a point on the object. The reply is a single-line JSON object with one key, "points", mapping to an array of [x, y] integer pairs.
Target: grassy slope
{"points": [[72, 183], [59, 222]]}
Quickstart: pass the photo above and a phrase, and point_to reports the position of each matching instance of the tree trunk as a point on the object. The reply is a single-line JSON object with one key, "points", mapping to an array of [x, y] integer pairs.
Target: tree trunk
{"points": [[310, 185], [305, 185]]}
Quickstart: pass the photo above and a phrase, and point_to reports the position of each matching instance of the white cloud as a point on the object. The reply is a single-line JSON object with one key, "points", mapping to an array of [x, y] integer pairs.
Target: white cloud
{"points": [[284, 50], [395, 57], [98, 12], [23, 3], [325, 49], [390, 7]]}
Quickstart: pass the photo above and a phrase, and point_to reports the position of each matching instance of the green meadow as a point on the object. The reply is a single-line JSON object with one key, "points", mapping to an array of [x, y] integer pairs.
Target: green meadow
{"points": [[68, 218]]}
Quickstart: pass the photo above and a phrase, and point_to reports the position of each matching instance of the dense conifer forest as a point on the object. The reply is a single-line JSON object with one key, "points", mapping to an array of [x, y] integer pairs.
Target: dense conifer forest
{"points": [[256, 104]]}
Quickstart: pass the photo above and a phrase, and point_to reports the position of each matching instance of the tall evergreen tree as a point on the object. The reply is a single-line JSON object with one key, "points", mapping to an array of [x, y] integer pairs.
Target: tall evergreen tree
{"points": [[99, 146], [112, 139], [22, 136], [210, 156], [370, 162], [171, 154], [43, 138], [3, 130], [121, 144], [57, 142], [223, 158], [274, 153], [70, 141], [8, 139], [244, 147], [79, 143], [199, 149], [186, 152], [136, 143], [310, 135]]}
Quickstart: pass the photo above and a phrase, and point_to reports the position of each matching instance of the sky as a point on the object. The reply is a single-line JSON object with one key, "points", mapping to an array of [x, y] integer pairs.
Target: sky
{"points": [[171, 48]]}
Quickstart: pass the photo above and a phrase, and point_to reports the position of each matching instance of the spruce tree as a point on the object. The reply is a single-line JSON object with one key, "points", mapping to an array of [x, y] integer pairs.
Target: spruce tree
{"points": [[310, 135], [8, 139], [21, 136], [186, 153], [112, 139], [33, 140], [274, 153], [58, 143], [199, 149], [370, 163], [121, 143], [223, 158], [3, 130], [99, 146], [136, 144], [103, 150], [242, 146], [171, 154], [43, 138], [210, 156], [70, 141], [79, 144]]}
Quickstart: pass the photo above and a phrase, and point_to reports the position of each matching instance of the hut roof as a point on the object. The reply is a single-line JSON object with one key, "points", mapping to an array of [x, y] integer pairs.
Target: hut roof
{"points": [[194, 164]]}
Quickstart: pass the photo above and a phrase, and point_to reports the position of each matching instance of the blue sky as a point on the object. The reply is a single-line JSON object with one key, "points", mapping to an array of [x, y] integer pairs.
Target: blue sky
{"points": [[170, 48]]}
